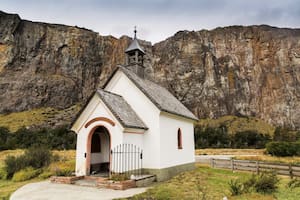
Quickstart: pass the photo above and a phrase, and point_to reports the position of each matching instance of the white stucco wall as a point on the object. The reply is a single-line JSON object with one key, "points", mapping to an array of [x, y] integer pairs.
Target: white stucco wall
{"points": [[170, 154], [146, 110], [95, 108]]}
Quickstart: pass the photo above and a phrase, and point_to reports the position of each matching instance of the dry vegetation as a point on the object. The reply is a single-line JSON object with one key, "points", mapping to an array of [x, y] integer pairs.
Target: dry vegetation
{"points": [[239, 124], [66, 162], [268, 158], [249, 154], [14, 121], [229, 151]]}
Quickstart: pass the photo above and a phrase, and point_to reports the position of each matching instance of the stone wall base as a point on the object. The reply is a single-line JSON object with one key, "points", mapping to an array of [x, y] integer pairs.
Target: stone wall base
{"points": [[169, 172]]}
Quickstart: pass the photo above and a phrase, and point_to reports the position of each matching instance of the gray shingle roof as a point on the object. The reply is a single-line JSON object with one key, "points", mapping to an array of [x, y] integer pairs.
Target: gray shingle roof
{"points": [[134, 46], [160, 96], [121, 110]]}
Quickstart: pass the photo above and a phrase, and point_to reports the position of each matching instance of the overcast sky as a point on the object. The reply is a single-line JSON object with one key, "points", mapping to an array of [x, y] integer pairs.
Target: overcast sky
{"points": [[156, 19]]}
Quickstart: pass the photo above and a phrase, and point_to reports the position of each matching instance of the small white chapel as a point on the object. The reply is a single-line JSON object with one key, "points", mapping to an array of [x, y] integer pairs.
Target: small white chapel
{"points": [[133, 125]]}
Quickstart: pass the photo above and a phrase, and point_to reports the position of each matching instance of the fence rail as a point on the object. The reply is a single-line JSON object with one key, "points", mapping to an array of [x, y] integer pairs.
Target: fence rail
{"points": [[256, 166]]}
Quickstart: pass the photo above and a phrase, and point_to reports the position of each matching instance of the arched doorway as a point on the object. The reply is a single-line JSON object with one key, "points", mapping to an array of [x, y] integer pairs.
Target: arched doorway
{"points": [[98, 159]]}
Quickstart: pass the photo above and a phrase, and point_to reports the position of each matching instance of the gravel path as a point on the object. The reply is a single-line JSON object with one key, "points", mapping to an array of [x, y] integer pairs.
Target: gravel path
{"points": [[53, 191]]}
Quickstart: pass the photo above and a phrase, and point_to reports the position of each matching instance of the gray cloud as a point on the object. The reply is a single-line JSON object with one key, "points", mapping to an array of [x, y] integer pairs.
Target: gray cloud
{"points": [[156, 19]]}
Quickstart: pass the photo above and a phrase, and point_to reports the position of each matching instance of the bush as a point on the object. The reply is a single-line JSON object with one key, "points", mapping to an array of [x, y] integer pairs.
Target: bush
{"points": [[249, 183], [266, 183], [36, 157], [62, 168], [3, 174], [249, 139], [235, 187], [211, 137], [119, 177], [219, 138], [56, 138], [4, 134], [13, 164], [293, 183], [286, 134], [45, 174], [26, 174], [283, 148]]}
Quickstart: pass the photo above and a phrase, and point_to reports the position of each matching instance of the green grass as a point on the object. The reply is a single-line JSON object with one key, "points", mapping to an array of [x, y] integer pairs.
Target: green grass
{"points": [[236, 124], [211, 184]]}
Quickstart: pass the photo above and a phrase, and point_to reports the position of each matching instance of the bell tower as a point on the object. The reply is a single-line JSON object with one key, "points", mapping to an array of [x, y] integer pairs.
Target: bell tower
{"points": [[135, 57]]}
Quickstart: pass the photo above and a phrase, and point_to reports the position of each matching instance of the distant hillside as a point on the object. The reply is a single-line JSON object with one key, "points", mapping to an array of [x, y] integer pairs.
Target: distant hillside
{"points": [[239, 124], [251, 71]]}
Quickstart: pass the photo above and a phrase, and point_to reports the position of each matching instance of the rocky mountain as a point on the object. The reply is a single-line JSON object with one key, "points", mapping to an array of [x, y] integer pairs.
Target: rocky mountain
{"points": [[243, 71]]}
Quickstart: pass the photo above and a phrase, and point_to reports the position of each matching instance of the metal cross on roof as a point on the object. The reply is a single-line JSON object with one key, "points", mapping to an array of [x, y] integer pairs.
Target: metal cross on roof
{"points": [[134, 32]]}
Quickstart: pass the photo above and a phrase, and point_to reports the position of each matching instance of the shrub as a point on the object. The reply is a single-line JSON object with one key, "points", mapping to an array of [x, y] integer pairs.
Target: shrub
{"points": [[211, 137], [34, 157], [293, 183], [283, 148], [266, 183], [3, 174], [26, 174], [235, 187], [62, 168], [249, 183], [55, 138], [119, 177], [4, 134], [252, 139], [285, 134], [38, 157], [45, 174], [12, 165]]}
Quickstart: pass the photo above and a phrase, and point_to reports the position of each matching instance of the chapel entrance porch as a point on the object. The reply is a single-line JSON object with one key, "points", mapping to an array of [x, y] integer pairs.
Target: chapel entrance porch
{"points": [[98, 154]]}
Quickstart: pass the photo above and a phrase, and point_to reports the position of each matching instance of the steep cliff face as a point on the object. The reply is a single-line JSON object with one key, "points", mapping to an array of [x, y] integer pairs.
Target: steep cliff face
{"points": [[248, 71]]}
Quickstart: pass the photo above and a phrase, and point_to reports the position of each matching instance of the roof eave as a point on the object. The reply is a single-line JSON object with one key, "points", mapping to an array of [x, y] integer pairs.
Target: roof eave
{"points": [[186, 117]]}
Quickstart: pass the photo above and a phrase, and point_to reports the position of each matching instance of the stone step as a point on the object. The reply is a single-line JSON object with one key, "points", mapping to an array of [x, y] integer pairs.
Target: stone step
{"points": [[87, 183]]}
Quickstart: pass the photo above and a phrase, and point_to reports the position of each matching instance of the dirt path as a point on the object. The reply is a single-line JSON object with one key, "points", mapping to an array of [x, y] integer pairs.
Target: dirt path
{"points": [[52, 191]]}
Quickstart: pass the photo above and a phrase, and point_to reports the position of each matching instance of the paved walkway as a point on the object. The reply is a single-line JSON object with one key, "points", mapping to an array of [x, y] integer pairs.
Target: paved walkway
{"points": [[53, 191]]}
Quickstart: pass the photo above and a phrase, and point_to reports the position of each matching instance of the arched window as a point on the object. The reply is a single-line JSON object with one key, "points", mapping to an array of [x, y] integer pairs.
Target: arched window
{"points": [[179, 139]]}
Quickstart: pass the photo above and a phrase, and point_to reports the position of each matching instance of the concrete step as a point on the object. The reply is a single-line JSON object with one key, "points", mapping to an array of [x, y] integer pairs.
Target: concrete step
{"points": [[87, 183]]}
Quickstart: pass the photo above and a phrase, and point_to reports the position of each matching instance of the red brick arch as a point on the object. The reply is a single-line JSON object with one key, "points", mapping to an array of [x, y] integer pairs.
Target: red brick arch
{"points": [[99, 119]]}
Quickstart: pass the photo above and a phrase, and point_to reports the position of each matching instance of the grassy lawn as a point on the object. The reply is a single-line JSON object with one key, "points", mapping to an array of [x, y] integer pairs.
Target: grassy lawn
{"points": [[7, 187], [210, 184]]}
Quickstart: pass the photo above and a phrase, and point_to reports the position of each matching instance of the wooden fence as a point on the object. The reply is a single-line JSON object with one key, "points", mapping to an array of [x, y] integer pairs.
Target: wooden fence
{"points": [[257, 166]]}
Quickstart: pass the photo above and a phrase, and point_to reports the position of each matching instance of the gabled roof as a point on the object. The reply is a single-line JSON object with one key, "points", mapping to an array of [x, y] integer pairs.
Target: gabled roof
{"points": [[134, 46], [158, 95], [121, 110]]}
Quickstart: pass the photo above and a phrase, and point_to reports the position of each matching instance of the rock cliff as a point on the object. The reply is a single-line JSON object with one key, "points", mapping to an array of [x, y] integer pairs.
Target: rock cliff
{"points": [[244, 71]]}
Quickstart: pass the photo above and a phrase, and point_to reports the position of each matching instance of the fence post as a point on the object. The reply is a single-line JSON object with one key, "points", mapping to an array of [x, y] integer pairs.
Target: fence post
{"points": [[212, 163], [257, 167], [232, 164], [291, 170]]}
